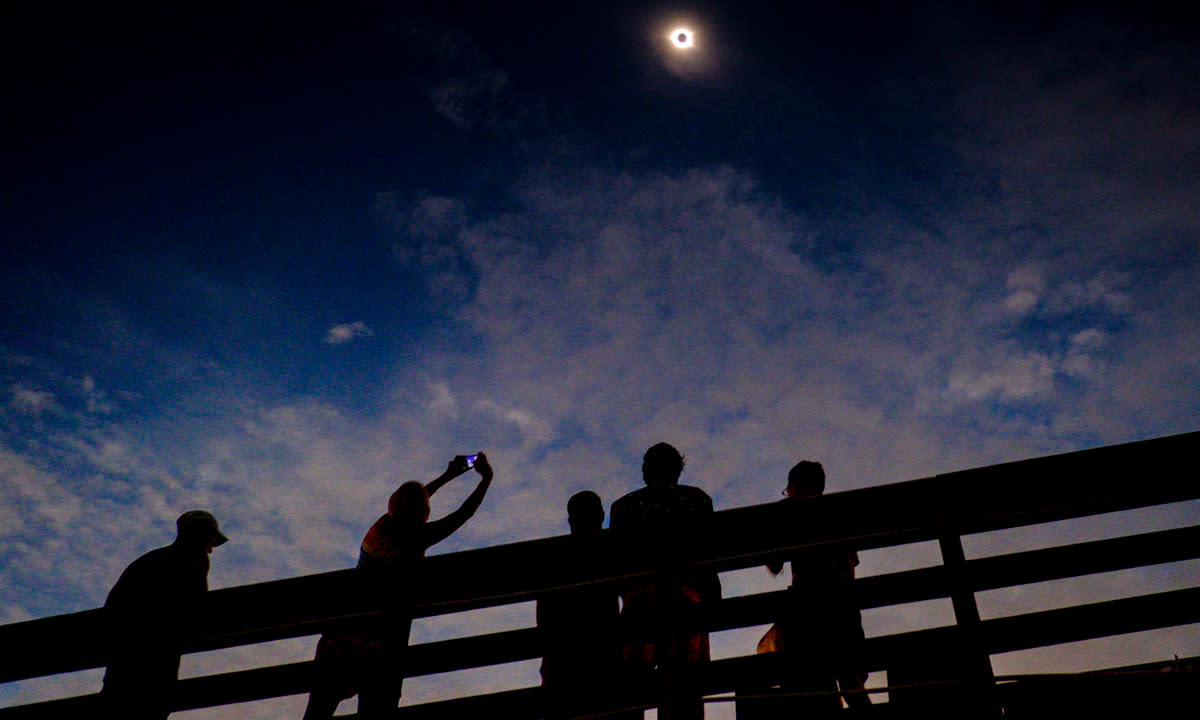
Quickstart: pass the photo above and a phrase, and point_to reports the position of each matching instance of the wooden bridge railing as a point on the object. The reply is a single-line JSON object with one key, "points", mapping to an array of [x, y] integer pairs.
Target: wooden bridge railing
{"points": [[941, 508]]}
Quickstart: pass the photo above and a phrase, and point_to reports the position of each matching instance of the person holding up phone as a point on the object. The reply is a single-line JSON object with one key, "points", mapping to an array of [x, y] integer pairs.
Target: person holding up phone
{"points": [[366, 660]]}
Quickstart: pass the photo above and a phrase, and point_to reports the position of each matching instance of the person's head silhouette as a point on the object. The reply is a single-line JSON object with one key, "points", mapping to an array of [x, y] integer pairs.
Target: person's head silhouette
{"points": [[662, 465], [410, 503], [198, 529], [585, 513], [805, 479]]}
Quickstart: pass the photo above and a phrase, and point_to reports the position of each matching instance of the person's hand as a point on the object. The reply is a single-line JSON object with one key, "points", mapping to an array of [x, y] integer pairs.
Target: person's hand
{"points": [[482, 467], [457, 466]]}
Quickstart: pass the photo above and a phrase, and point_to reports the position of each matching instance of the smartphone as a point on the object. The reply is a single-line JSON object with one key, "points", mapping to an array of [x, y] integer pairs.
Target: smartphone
{"points": [[471, 460]]}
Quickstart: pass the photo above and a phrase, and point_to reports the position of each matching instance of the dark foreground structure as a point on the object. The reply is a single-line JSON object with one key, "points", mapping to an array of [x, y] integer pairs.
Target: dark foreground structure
{"points": [[938, 672]]}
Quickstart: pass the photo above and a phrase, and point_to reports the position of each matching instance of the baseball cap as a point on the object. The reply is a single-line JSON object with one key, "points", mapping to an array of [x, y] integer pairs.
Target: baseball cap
{"points": [[200, 521]]}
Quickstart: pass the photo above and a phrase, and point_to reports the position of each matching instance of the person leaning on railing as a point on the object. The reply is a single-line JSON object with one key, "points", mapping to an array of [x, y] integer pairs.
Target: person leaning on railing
{"points": [[366, 660], [145, 612], [821, 634], [578, 625], [660, 512]]}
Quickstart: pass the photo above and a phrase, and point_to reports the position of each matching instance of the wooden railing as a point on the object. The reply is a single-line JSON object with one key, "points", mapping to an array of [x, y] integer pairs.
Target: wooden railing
{"points": [[942, 508]]}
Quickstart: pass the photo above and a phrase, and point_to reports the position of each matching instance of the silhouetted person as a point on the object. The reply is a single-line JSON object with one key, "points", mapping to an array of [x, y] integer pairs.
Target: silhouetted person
{"points": [[146, 610], [365, 660], [581, 654], [660, 510], [821, 633]]}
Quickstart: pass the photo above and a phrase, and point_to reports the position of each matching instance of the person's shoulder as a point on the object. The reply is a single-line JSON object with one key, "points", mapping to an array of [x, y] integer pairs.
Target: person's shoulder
{"points": [[378, 536], [151, 561], [629, 498], [140, 574], [382, 526], [694, 494], [627, 511]]}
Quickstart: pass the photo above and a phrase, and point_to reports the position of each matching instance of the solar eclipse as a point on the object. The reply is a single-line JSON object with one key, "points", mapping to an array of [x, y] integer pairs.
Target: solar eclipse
{"points": [[682, 38]]}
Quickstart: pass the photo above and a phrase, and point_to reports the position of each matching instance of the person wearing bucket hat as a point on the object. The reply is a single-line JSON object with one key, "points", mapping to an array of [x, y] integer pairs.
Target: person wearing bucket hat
{"points": [[153, 599]]}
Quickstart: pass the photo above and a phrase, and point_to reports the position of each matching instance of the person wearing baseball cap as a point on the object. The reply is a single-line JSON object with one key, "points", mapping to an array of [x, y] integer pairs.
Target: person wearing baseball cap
{"points": [[155, 597], [202, 526]]}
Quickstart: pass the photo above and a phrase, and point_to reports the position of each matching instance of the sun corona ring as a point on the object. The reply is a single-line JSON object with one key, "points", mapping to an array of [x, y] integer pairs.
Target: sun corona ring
{"points": [[682, 38]]}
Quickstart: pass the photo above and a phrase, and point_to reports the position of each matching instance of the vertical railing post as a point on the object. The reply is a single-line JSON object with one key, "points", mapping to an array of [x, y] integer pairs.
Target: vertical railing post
{"points": [[977, 670], [670, 644]]}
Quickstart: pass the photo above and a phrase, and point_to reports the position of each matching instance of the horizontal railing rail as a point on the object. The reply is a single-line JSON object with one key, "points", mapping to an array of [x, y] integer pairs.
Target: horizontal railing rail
{"points": [[1010, 495]]}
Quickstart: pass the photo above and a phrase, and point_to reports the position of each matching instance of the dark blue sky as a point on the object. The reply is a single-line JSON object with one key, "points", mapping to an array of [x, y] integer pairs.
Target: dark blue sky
{"points": [[249, 145]]}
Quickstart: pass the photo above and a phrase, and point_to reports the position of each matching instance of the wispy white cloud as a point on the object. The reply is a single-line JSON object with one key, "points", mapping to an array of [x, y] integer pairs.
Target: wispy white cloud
{"points": [[1025, 285], [1013, 378], [96, 400], [443, 401], [434, 215], [468, 100], [30, 401], [473, 92], [345, 332], [1103, 291]]}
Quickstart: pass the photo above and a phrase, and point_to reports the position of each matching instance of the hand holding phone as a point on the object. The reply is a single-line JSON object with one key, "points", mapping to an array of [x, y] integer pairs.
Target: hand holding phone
{"points": [[479, 461]]}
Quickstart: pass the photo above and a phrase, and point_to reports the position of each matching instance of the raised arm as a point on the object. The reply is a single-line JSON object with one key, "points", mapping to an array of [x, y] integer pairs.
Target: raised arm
{"points": [[454, 468], [439, 530]]}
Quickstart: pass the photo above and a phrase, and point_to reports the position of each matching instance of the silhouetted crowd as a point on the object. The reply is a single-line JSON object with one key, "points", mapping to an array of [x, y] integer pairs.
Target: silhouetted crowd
{"points": [[597, 641]]}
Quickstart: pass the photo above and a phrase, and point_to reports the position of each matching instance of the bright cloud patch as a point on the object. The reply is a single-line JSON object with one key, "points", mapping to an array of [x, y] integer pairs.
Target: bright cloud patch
{"points": [[30, 401], [344, 333], [1025, 286], [1017, 378]]}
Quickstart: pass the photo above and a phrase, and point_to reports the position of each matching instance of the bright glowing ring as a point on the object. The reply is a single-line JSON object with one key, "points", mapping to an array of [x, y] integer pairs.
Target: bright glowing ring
{"points": [[682, 38]]}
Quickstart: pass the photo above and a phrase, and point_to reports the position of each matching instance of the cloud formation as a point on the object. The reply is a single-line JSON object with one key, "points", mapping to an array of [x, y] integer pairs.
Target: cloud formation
{"points": [[471, 92], [30, 401], [345, 332]]}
